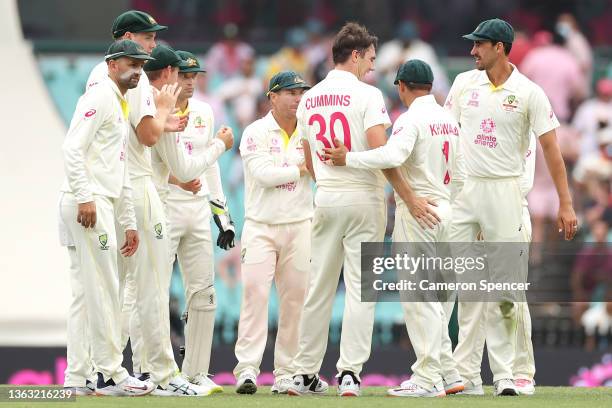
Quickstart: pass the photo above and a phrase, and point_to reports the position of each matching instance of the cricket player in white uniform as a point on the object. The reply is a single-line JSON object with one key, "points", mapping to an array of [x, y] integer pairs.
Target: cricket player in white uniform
{"points": [[189, 229], [148, 270], [141, 28], [149, 116], [97, 187], [276, 234], [168, 155], [349, 209], [497, 108], [523, 369], [424, 143]]}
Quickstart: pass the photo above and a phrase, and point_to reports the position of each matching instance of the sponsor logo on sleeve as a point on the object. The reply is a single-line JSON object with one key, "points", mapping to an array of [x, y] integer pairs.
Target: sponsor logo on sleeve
{"points": [[449, 102], [90, 113]]}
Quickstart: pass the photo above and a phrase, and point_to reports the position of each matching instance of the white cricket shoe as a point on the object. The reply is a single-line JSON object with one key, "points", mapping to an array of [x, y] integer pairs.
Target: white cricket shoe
{"points": [[145, 377], [410, 389], [130, 387], [504, 387], [247, 382], [469, 388], [281, 385], [348, 385], [88, 389], [180, 387], [453, 387], [524, 386], [206, 383], [302, 384]]}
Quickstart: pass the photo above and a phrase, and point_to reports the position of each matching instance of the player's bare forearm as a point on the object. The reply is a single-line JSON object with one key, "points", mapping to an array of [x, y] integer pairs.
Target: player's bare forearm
{"points": [[556, 166], [308, 159], [173, 180], [151, 128], [419, 207], [394, 177], [566, 219]]}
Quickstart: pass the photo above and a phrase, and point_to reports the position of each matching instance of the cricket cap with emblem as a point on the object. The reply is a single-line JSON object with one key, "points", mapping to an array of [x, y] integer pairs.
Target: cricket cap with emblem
{"points": [[135, 21], [126, 48], [414, 71], [164, 56], [492, 30], [191, 63], [286, 80]]}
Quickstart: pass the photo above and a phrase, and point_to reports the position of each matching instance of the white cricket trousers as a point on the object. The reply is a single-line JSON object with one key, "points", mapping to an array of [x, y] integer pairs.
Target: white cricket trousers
{"points": [[426, 321], [79, 366], [524, 362], [279, 253], [95, 281], [493, 206], [191, 240], [150, 270], [337, 234]]}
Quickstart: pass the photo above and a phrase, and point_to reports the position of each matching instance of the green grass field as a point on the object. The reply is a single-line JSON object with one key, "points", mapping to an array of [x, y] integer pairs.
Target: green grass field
{"points": [[373, 397]]}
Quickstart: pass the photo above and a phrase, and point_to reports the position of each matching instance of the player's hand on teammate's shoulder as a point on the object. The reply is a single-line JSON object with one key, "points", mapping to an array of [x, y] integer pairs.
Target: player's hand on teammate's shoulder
{"points": [[422, 211], [226, 135], [193, 186], [567, 221], [337, 154], [86, 215], [131, 243]]}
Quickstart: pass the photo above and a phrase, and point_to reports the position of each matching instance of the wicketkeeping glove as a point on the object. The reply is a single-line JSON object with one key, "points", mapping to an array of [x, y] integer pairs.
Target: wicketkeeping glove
{"points": [[225, 224]]}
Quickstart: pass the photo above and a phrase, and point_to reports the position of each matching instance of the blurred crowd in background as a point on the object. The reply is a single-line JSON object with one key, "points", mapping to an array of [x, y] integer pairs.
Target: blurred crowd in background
{"points": [[567, 54]]}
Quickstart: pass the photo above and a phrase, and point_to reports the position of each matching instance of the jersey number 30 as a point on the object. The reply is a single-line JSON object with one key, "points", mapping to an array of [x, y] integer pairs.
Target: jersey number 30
{"points": [[336, 116]]}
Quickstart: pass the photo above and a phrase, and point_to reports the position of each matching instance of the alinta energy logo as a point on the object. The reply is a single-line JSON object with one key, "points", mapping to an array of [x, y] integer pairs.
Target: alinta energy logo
{"points": [[487, 137], [487, 126]]}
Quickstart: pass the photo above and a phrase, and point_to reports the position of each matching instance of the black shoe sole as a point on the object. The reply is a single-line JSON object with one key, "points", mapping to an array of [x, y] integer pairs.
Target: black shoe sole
{"points": [[509, 392], [247, 388]]}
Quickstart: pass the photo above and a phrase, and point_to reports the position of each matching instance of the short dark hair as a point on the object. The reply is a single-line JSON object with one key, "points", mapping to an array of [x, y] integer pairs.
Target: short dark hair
{"points": [[351, 37], [507, 46], [154, 75], [421, 87]]}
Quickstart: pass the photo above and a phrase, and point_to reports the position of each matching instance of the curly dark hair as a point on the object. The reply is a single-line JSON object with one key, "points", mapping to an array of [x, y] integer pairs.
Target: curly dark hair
{"points": [[352, 36]]}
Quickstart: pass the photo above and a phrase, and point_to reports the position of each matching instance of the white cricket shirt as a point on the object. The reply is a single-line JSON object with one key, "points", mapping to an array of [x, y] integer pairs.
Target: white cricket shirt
{"points": [[496, 121], [95, 152], [274, 191], [424, 143], [196, 140], [341, 106], [142, 104]]}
